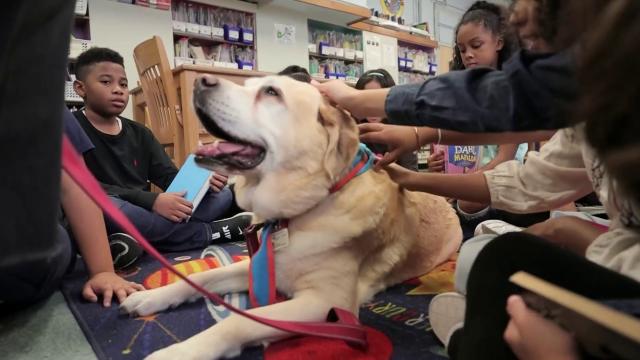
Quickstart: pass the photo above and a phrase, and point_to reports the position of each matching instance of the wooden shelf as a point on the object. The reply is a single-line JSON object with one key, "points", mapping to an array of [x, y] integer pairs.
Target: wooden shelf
{"points": [[213, 39], [320, 56], [415, 71], [400, 35], [81, 17], [340, 6]]}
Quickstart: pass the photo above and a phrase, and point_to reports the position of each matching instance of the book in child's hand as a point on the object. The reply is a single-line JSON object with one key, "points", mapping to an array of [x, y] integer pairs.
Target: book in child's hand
{"points": [[606, 330], [459, 159], [192, 179]]}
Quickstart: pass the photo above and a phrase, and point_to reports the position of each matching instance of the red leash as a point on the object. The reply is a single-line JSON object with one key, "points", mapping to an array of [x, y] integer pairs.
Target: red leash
{"points": [[347, 328]]}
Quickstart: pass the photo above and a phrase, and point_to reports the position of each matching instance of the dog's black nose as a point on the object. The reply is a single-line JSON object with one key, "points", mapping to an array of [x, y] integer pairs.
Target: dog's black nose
{"points": [[207, 80]]}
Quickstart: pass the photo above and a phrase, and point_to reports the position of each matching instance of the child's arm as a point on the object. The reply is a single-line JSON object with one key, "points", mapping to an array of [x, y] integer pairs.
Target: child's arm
{"points": [[475, 100], [403, 139], [550, 178], [89, 231], [470, 187]]}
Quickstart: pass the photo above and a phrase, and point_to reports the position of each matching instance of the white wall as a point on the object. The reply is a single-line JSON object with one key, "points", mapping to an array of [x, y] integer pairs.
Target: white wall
{"points": [[121, 27], [272, 56]]}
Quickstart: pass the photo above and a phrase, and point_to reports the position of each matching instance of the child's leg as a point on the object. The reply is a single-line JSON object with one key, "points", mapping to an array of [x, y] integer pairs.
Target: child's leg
{"points": [[468, 253], [164, 234], [213, 205], [488, 288]]}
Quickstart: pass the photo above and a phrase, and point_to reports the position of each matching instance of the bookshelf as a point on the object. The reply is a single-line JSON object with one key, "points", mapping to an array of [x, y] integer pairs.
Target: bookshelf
{"points": [[335, 52], [210, 35], [415, 63], [80, 41]]}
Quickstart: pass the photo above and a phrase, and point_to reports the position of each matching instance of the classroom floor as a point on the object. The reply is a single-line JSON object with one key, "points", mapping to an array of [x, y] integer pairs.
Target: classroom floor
{"points": [[47, 330]]}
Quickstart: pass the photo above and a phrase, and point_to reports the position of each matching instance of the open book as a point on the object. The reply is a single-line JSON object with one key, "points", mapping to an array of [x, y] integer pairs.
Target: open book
{"points": [[192, 179], [601, 330]]}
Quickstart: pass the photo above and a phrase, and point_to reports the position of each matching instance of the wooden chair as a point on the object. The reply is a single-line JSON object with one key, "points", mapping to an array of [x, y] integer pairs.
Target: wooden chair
{"points": [[164, 113]]}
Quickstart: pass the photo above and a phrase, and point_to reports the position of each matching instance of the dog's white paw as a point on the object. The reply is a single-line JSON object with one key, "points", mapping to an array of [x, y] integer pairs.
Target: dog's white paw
{"points": [[147, 302]]}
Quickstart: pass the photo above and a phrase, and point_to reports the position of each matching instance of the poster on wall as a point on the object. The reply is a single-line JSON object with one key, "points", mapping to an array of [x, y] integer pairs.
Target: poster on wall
{"points": [[392, 7], [285, 34]]}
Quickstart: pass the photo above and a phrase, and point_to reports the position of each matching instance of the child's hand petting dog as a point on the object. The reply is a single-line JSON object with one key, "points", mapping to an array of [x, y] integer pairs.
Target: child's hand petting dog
{"points": [[400, 175], [173, 206], [107, 284], [398, 139], [218, 181]]}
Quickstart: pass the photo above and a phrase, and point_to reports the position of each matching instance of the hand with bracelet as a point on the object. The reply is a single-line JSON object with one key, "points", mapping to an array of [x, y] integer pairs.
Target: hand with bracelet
{"points": [[403, 139], [398, 139]]}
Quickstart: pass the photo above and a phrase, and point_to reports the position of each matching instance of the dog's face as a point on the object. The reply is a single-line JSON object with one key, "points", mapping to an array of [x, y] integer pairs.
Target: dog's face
{"points": [[273, 125]]}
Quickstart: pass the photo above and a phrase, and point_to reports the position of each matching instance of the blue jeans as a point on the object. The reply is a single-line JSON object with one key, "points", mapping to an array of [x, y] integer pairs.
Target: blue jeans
{"points": [[170, 236]]}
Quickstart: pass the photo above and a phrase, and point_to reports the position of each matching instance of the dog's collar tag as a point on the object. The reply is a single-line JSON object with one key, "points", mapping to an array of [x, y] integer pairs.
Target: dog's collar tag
{"points": [[280, 239]]}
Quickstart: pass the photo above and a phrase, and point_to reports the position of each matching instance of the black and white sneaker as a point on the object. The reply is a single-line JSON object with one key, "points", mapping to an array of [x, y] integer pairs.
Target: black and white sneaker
{"points": [[230, 229], [125, 250]]}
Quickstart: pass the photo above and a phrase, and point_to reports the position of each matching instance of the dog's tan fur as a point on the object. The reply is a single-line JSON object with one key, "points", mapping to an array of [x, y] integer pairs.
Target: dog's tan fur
{"points": [[343, 247]]}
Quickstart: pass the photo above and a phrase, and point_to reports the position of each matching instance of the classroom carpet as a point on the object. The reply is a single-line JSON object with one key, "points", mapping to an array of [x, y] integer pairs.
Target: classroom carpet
{"points": [[400, 312]]}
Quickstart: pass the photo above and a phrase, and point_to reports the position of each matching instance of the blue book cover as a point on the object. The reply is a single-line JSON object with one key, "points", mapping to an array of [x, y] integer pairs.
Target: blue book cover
{"points": [[192, 179]]}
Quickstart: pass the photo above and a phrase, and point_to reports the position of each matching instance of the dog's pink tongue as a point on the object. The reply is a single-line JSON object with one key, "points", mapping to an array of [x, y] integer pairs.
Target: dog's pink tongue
{"points": [[226, 147]]}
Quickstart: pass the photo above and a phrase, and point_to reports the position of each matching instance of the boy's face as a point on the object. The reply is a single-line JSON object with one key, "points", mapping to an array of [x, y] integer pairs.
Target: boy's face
{"points": [[104, 89]]}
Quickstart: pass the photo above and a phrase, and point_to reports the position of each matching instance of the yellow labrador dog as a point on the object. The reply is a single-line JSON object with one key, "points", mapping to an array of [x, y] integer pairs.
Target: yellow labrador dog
{"points": [[289, 147]]}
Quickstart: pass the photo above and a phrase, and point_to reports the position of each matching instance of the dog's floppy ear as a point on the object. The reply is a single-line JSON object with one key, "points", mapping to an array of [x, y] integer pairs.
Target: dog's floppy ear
{"points": [[342, 132]]}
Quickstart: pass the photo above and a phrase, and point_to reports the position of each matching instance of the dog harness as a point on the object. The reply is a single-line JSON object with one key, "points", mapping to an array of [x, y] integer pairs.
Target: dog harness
{"points": [[262, 275], [346, 328]]}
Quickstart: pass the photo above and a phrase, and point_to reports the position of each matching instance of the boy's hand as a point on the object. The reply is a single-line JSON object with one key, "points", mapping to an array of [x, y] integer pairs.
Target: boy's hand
{"points": [[173, 206], [532, 337], [436, 162], [105, 284], [218, 181], [398, 139]]}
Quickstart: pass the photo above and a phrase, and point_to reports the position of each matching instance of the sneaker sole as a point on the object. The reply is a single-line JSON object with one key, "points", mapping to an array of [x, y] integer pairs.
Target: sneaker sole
{"points": [[445, 312], [228, 229], [130, 254]]}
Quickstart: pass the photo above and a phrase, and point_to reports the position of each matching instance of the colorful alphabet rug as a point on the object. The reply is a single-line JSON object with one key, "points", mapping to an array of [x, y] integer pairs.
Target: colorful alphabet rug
{"points": [[397, 317]]}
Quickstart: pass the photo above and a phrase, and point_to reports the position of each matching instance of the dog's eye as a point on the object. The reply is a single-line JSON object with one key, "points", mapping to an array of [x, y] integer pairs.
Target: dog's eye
{"points": [[271, 91]]}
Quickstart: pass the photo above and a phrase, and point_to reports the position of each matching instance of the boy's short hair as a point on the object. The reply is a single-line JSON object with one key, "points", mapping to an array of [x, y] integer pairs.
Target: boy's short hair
{"points": [[94, 56]]}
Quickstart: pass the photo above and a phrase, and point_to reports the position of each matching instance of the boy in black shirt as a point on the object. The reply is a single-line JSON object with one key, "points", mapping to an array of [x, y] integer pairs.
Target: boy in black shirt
{"points": [[127, 157]]}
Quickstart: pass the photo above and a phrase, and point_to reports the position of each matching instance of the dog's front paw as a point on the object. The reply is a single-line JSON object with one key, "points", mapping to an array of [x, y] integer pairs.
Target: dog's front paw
{"points": [[144, 303]]}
